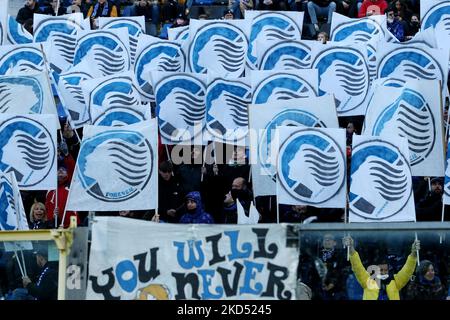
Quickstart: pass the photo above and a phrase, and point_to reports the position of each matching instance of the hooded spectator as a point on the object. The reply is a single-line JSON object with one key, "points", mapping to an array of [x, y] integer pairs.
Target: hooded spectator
{"points": [[194, 210]]}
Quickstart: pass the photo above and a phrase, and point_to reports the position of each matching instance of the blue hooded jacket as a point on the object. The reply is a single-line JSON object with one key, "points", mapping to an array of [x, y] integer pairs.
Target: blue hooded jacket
{"points": [[199, 216]]}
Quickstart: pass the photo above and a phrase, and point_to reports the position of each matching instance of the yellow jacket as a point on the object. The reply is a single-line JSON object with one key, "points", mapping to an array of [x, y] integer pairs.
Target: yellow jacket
{"points": [[370, 286]]}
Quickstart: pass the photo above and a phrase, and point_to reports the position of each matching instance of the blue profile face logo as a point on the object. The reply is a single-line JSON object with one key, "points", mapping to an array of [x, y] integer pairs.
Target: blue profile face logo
{"points": [[55, 24], [22, 58], [410, 63], [16, 34], [411, 117], [286, 55], [27, 149], [162, 56], [180, 105], [218, 46], [282, 86], [385, 174], [106, 49], [126, 171], [345, 73], [73, 96], [12, 90], [226, 109], [438, 17], [183, 35], [359, 31], [119, 116], [8, 220], [311, 166], [289, 117], [270, 26]]}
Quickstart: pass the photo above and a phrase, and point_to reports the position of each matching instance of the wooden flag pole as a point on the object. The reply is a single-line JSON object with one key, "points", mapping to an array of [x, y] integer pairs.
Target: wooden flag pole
{"points": [[204, 161], [417, 251]]}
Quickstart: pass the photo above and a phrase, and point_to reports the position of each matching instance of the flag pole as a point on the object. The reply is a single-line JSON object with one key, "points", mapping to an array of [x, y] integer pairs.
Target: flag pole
{"points": [[18, 261], [417, 251], [204, 161], [57, 8], [18, 207], [168, 155]]}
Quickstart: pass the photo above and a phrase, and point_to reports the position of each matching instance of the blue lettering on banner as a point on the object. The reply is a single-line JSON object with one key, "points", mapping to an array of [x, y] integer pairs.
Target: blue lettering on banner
{"points": [[122, 268], [206, 277], [235, 253], [250, 275], [192, 261]]}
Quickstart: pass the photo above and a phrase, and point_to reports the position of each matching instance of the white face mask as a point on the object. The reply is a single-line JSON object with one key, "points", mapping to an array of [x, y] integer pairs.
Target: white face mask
{"points": [[382, 276]]}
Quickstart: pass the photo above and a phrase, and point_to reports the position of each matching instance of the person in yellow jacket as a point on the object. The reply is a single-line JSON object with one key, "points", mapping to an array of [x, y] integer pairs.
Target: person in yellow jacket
{"points": [[102, 8], [382, 286]]}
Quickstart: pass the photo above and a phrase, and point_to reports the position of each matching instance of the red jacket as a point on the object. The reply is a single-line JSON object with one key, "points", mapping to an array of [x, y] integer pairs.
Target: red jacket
{"points": [[378, 6]]}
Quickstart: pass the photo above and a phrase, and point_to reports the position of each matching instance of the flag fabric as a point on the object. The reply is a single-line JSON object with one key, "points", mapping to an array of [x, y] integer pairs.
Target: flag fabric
{"points": [[28, 148], [179, 33], [114, 100], [218, 46], [16, 33], [116, 169], [446, 199], [380, 180], [135, 26], [20, 59], [269, 26], [105, 50], [253, 216], [226, 109], [264, 119], [360, 30], [413, 111], [12, 213], [3, 20], [24, 94], [180, 106], [153, 54], [274, 85], [344, 71], [311, 167]]}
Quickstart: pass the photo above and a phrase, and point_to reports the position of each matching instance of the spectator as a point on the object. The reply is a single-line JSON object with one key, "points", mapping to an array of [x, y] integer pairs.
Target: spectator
{"points": [[239, 190], [51, 9], [401, 10], [103, 8], [170, 194], [169, 11], [321, 8], [27, 12], [297, 213], [347, 8], [190, 171], [323, 37], [228, 15], [426, 285], [350, 131], [395, 26], [194, 211], [386, 286], [429, 207], [414, 27], [372, 7], [77, 6], [38, 217]]}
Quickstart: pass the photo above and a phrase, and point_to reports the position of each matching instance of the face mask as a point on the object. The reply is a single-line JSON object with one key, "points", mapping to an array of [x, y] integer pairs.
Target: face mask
{"points": [[382, 276]]}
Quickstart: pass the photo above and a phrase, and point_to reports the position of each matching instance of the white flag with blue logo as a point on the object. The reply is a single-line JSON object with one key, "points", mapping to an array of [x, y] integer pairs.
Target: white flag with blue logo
{"points": [[423, 38], [286, 54], [269, 26], [413, 111], [135, 26], [380, 180], [218, 46], [178, 34], [116, 169], [105, 50], [71, 94], [264, 119], [3, 20], [180, 106], [311, 167], [344, 71], [153, 54], [16, 33], [446, 198], [226, 109], [24, 94], [12, 213], [275, 85], [20, 59], [28, 149], [404, 62], [114, 100]]}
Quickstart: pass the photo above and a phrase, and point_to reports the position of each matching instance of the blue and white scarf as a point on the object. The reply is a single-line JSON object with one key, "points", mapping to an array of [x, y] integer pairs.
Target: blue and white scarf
{"points": [[104, 11]]}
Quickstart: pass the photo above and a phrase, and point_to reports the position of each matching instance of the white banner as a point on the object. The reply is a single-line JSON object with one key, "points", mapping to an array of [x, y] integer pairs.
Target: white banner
{"points": [[218, 46], [286, 54], [311, 167], [274, 85], [132, 259], [113, 94], [154, 54], [446, 198], [359, 30], [344, 72], [3, 20], [226, 109], [28, 148], [413, 111], [135, 26], [20, 59], [117, 169], [12, 213], [44, 25], [105, 50], [267, 26], [180, 106], [380, 180], [265, 118], [16, 33], [178, 33]]}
